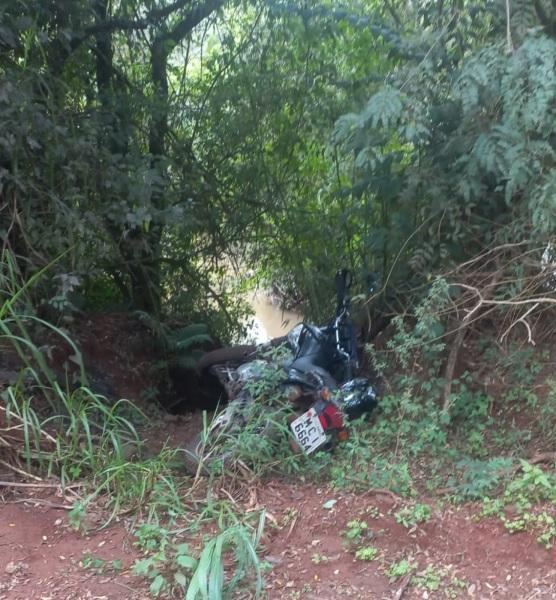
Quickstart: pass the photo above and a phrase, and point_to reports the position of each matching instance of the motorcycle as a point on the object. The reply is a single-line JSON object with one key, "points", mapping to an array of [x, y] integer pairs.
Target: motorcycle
{"points": [[318, 381]]}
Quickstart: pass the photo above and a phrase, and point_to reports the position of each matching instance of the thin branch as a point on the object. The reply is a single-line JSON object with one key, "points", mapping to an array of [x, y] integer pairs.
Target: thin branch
{"points": [[481, 257], [523, 320], [124, 24], [196, 16], [396, 259], [41, 502], [17, 484], [458, 342], [19, 471], [482, 300], [509, 43], [451, 367], [406, 581]]}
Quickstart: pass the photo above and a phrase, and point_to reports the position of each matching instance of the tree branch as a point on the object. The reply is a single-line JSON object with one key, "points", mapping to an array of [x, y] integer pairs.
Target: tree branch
{"points": [[460, 338], [193, 19], [482, 300], [125, 24], [523, 320]]}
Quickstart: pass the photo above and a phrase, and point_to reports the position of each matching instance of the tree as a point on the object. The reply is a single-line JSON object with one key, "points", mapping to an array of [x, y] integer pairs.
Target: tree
{"points": [[161, 141], [465, 138], [65, 69]]}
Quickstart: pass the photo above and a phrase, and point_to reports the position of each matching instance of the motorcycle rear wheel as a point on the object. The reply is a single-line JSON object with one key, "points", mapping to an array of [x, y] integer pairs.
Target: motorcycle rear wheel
{"points": [[232, 356]]}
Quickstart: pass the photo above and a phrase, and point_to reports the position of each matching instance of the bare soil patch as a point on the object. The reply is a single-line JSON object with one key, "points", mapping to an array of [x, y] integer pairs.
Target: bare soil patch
{"points": [[304, 547], [41, 557], [491, 562]]}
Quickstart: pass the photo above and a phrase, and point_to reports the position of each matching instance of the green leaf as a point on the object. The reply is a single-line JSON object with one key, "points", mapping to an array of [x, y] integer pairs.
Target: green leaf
{"points": [[185, 561], [158, 584], [143, 566]]}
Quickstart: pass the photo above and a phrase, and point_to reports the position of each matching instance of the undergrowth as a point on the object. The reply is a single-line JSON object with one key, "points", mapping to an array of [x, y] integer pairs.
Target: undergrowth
{"points": [[197, 546], [467, 448], [63, 430]]}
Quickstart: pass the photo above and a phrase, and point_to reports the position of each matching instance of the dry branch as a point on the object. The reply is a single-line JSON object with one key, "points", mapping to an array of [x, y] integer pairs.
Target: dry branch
{"points": [[18, 484], [41, 502], [19, 471], [460, 338], [483, 300], [523, 320]]}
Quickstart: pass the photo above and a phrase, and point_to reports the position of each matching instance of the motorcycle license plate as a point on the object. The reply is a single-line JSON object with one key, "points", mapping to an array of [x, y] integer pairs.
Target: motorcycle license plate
{"points": [[308, 431]]}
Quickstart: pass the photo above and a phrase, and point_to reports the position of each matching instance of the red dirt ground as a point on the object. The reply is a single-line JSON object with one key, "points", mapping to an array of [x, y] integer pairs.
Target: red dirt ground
{"points": [[304, 544], [40, 557], [491, 562]]}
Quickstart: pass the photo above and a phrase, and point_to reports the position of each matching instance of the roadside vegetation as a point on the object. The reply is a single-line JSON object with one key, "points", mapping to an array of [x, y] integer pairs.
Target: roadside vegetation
{"points": [[161, 159]]}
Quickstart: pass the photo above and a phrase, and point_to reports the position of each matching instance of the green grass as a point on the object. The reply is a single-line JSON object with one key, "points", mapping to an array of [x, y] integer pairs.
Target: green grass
{"points": [[227, 559]]}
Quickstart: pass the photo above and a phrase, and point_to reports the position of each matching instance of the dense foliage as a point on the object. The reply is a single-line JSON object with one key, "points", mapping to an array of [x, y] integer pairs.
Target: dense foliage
{"points": [[153, 150], [163, 143]]}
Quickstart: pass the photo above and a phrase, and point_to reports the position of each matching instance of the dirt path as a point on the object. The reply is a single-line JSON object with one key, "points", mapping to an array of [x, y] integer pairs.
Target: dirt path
{"points": [[41, 557], [470, 558], [305, 550]]}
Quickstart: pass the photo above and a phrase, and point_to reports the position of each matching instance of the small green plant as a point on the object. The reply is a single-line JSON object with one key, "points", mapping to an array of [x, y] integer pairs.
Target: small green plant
{"points": [[533, 486], [454, 587], [526, 493], [318, 559], [517, 524], [93, 563], [400, 569], [100, 565], [367, 553], [226, 559], [409, 516], [430, 579], [77, 516], [548, 536], [528, 521], [169, 568], [208, 580], [492, 507], [356, 530], [477, 478]]}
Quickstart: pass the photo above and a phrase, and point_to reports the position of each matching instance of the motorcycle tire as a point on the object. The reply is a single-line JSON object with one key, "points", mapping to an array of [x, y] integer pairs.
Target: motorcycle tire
{"points": [[196, 461], [232, 356]]}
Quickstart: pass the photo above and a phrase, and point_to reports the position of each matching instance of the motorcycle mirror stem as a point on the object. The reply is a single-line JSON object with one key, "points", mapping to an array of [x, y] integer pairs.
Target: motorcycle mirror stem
{"points": [[343, 283]]}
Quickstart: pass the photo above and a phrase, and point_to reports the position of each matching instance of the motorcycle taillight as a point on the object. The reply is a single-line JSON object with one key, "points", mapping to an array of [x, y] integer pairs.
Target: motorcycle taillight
{"points": [[330, 417]]}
